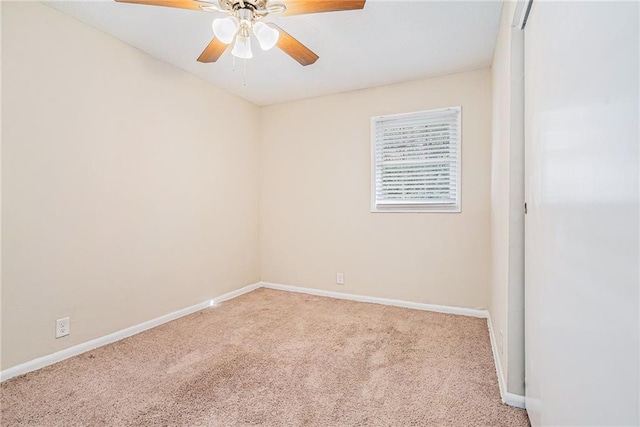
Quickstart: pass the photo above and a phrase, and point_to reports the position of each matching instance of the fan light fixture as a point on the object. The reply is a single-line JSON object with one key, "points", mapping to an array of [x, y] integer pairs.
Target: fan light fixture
{"points": [[240, 27]]}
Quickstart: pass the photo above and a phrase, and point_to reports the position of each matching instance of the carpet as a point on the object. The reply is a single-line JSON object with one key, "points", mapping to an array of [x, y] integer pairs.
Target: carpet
{"points": [[276, 358]]}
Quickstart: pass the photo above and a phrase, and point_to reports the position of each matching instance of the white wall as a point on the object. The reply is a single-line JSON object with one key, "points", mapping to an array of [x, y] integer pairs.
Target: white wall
{"points": [[507, 200], [315, 198], [582, 231], [126, 192]]}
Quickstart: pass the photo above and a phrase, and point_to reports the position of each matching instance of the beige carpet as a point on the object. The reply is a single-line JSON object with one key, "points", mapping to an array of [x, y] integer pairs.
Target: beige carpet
{"points": [[276, 358]]}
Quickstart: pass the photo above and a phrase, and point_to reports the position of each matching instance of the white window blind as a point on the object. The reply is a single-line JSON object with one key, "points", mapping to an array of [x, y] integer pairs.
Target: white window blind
{"points": [[416, 161]]}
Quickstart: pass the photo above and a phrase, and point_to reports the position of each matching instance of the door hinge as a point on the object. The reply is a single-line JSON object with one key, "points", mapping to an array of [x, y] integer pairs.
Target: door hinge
{"points": [[525, 208]]}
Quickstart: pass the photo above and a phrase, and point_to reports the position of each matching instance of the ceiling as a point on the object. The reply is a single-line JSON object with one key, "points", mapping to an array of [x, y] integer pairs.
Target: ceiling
{"points": [[389, 41]]}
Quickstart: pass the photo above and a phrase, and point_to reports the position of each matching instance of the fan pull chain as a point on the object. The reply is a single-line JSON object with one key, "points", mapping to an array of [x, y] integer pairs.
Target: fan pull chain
{"points": [[244, 73], [234, 62]]}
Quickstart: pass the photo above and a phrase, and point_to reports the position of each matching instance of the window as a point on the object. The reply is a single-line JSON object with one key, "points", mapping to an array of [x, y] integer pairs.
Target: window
{"points": [[416, 161]]}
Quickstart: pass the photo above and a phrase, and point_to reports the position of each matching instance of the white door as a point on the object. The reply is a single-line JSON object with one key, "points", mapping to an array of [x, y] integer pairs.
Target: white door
{"points": [[582, 227]]}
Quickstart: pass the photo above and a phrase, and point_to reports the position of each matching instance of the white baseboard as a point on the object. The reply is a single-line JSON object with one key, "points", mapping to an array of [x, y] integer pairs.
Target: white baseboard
{"points": [[375, 300], [50, 359], [510, 399], [237, 293], [515, 400]]}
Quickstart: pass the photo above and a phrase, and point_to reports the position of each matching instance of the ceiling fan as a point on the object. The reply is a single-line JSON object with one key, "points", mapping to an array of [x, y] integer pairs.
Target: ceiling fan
{"points": [[245, 18]]}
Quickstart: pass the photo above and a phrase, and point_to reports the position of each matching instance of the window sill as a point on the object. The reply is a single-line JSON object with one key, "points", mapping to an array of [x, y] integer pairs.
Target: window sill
{"points": [[454, 209]]}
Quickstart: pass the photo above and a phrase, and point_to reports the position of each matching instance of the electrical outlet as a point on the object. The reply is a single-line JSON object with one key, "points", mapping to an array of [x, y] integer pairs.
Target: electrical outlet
{"points": [[340, 278], [63, 327]]}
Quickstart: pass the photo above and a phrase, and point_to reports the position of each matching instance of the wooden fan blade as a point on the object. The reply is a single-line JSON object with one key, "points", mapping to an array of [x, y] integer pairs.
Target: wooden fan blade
{"points": [[300, 7], [213, 51], [294, 48], [180, 4]]}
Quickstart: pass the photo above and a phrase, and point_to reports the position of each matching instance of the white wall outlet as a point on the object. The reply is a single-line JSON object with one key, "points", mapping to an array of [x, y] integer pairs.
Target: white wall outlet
{"points": [[63, 327], [340, 278]]}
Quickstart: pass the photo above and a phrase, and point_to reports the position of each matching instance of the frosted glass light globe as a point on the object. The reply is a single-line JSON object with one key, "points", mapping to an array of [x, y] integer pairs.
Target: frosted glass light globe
{"points": [[225, 29], [267, 36], [242, 48]]}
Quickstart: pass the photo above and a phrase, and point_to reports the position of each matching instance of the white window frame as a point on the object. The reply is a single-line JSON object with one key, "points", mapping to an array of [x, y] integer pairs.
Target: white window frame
{"points": [[415, 207]]}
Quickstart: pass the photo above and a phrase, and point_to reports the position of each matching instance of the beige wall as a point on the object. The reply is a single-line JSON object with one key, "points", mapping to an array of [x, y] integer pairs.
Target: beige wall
{"points": [[507, 192], [126, 194], [315, 198]]}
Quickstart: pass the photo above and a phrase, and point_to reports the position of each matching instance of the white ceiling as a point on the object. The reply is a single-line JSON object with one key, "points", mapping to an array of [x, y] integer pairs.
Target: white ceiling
{"points": [[389, 41]]}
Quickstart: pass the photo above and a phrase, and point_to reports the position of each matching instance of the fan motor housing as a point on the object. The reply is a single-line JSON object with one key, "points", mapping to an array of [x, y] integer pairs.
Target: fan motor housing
{"points": [[248, 4]]}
